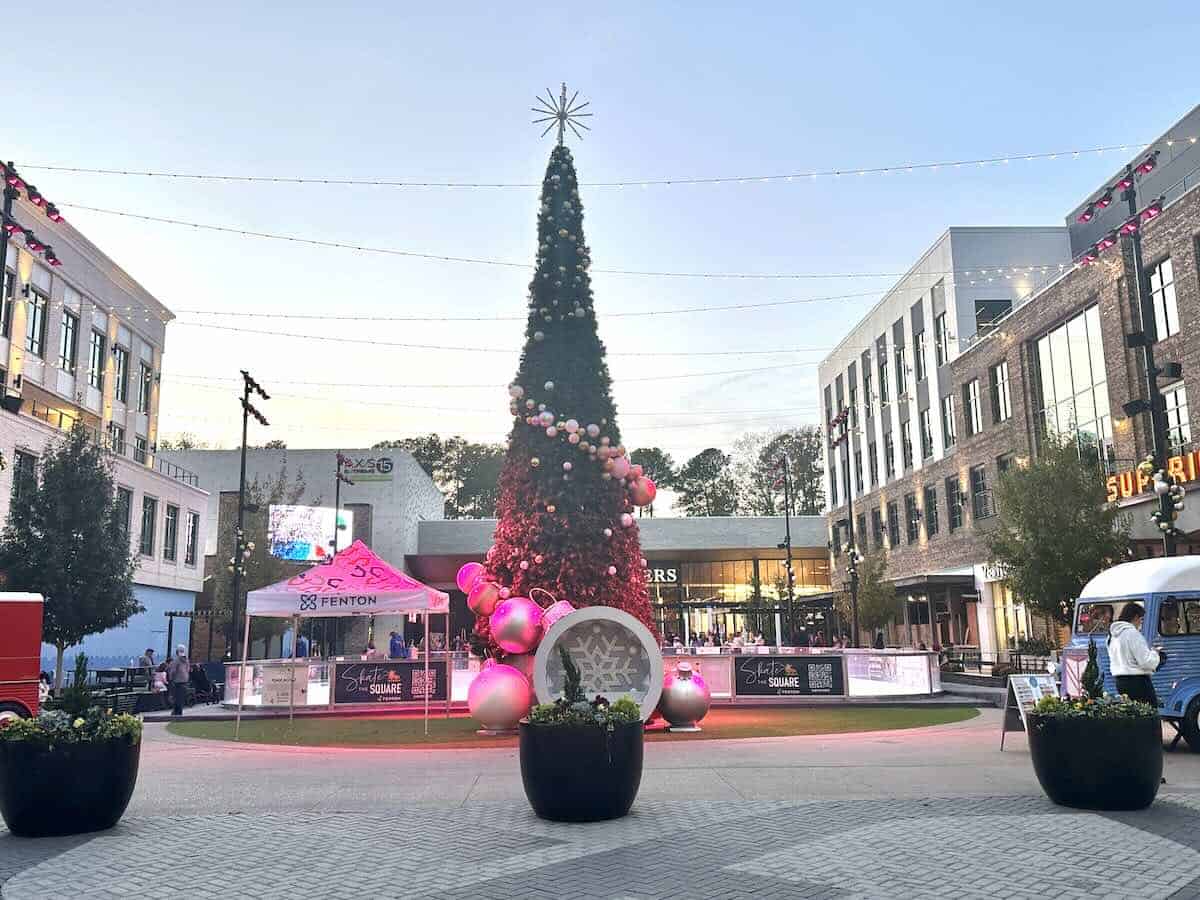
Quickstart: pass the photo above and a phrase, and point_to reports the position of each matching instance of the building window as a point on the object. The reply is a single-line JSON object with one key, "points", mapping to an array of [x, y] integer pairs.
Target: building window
{"points": [[68, 344], [919, 356], [889, 456], [941, 339], [954, 503], [1179, 430], [912, 519], [866, 373], [149, 517], [1005, 461], [1072, 386], [988, 313], [972, 412], [873, 464], [982, 505], [170, 533], [24, 474], [858, 470], [926, 434], [901, 372], [139, 449], [833, 487], [124, 510], [191, 540], [1162, 293], [116, 438], [35, 324], [931, 511], [949, 431], [860, 530], [852, 403], [121, 389], [884, 400], [893, 524], [906, 447], [1001, 398], [6, 302], [96, 361], [145, 379], [876, 529]]}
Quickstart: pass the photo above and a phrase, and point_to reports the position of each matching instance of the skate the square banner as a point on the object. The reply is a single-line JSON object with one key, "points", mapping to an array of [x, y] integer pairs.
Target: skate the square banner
{"points": [[395, 681], [788, 676]]}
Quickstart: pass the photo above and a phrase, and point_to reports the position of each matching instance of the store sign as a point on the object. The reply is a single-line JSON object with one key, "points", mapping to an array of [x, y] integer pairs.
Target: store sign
{"points": [[788, 676], [995, 572], [1133, 482], [663, 573], [394, 681], [368, 468]]}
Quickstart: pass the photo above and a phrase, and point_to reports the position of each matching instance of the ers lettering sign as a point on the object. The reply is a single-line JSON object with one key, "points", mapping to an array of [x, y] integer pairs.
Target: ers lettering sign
{"points": [[663, 573], [1131, 482]]}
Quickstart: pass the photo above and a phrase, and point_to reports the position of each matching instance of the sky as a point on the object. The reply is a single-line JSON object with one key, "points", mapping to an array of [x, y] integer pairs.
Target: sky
{"points": [[424, 92]]}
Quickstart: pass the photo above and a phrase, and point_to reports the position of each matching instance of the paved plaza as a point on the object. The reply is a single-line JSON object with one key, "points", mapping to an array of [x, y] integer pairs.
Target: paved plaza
{"points": [[936, 812]]}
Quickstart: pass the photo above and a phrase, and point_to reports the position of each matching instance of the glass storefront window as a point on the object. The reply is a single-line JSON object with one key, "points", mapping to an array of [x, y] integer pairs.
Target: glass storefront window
{"points": [[1073, 386]]}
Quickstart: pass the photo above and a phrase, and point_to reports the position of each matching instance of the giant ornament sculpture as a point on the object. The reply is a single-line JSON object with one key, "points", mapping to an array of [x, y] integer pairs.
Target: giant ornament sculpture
{"points": [[516, 625], [468, 575], [616, 655], [685, 698], [499, 698], [483, 597]]}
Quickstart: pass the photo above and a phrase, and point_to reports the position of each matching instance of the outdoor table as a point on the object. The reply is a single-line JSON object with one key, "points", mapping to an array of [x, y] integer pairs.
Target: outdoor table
{"points": [[110, 677]]}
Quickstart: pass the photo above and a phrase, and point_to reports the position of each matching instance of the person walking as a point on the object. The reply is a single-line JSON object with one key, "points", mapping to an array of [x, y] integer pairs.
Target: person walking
{"points": [[179, 673], [1130, 657]]}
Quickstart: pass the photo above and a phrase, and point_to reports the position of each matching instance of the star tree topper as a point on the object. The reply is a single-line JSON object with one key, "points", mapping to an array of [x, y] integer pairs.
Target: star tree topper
{"points": [[561, 113]]}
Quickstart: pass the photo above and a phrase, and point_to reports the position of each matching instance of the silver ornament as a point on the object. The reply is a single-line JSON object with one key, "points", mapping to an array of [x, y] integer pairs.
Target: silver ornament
{"points": [[685, 698], [499, 698]]}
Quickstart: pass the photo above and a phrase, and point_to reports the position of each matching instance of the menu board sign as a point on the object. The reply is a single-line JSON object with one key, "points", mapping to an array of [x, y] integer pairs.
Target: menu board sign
{"points": [[278, 681], [788, 676], [1024, 691], [394, 681]]}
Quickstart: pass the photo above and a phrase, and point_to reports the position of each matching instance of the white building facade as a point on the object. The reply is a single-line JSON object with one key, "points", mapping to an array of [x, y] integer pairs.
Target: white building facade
{"points": [[83, 342]]}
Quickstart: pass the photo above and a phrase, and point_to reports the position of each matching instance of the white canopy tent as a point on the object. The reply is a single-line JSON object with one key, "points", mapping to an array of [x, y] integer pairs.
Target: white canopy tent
{"points": [[355, 582]]}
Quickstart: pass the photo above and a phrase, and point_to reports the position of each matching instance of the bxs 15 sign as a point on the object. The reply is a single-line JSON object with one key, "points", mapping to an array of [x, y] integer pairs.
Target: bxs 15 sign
{"points": [[368, 468]]}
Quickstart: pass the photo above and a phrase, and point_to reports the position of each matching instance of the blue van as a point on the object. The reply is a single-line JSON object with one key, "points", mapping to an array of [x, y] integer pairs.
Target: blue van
{"points": [[1169, 591]]}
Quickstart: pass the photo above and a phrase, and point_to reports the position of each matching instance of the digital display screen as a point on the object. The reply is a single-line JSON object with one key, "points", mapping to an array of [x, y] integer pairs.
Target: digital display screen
{"points": [[305, 533]]}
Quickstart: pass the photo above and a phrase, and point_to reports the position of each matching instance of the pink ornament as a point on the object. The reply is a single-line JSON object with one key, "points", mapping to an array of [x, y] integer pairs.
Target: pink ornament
{"points": [[642, 491], [571, 425], [612, 570], [620, 467], [554, 612], [550, 508], [505, 593], [483, 597], [516, 625], [539, 559], [551, 432], [468, 575], [644, 563], [636, 470], [626, 520], [608, 532], [573, 438], [499, 697], [567, 467], [546, 418], [524, 565], [593, 430]]}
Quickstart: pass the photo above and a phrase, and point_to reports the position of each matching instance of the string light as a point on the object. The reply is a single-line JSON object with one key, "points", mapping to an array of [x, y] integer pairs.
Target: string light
{"points": [[907, 168]]}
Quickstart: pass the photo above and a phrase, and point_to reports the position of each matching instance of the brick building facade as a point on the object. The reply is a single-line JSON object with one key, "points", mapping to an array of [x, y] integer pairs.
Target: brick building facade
{"points": [[1003, 384]]}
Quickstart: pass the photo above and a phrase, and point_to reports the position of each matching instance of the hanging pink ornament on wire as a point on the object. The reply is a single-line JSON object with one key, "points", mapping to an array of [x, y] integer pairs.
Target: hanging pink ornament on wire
{"points": [[642, 491], [516, 625]]}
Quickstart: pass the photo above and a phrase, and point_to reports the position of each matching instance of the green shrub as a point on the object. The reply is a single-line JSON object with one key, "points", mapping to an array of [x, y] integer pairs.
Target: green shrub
{"points": [[1105, 706], [574, 709], [56, 726]]}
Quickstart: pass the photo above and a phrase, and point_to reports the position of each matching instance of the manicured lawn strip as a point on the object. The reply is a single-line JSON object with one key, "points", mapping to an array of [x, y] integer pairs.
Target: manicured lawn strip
{"points": [[459, 731]]}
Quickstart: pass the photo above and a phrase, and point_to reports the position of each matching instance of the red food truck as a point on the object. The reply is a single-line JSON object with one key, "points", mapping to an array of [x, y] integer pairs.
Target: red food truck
{"points": [[20, 654]]}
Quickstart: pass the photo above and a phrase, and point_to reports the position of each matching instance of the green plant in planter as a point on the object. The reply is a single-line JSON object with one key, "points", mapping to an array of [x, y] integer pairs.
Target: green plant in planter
{"points": [[55, 726], [573, 707], [1106, 706], [1092, 682]]}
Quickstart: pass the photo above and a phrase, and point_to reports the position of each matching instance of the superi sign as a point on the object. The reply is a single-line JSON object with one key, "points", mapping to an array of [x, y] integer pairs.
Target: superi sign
{"points": [[1131, 482]]}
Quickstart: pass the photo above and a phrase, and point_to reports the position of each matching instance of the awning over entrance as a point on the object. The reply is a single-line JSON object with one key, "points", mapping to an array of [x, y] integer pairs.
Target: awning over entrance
{"points": [[939, 582]]}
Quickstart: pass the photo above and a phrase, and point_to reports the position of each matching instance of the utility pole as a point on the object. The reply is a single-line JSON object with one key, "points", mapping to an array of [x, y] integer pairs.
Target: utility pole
{"points": [[1159, 439], [786, 546], [840, 424], [240, 549]]}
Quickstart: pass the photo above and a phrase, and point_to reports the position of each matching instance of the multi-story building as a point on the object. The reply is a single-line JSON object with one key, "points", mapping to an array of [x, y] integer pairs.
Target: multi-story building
{"points": [[1057, 362], [83, 342]]}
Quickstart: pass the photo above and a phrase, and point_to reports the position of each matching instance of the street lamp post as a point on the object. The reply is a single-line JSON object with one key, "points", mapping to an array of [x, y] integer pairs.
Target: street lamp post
{"points": [[840, 424], [786, 546], [240, 549]]}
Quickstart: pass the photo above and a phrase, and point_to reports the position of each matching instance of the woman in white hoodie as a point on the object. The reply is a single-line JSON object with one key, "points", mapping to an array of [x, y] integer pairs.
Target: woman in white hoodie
{"points": [[1130, 658]]}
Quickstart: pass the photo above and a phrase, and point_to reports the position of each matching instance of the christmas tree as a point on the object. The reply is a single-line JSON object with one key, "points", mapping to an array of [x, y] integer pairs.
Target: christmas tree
{"points": [[567, 489]]}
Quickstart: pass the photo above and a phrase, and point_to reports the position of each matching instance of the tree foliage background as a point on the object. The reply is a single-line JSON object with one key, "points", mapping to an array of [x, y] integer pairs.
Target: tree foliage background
{"points": [[467, 473], [1055, 528], [705, 485], [67, 538], [878, 603], [756, 467]]}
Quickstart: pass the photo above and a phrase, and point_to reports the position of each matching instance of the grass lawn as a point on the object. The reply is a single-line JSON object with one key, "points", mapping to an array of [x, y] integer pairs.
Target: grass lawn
{"points": [[459, 731]]}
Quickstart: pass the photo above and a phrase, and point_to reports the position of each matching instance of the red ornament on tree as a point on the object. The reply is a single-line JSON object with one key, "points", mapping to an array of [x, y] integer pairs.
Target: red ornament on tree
{"points": [[566, 351]]}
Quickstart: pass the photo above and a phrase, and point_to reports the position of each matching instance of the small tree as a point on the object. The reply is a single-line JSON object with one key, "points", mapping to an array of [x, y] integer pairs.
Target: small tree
{"points": [[878, 603], [1091, 681], [1056, 529], [67, 539]]}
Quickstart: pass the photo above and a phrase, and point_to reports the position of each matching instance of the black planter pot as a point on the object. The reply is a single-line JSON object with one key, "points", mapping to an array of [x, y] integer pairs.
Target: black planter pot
{"points": [[68, 788], [581, 773], [1097, 763]]}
